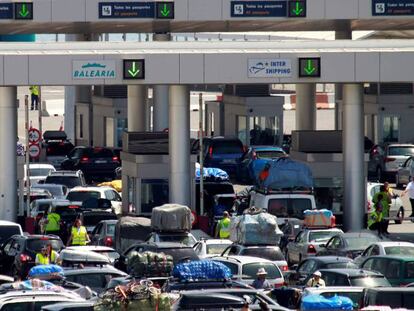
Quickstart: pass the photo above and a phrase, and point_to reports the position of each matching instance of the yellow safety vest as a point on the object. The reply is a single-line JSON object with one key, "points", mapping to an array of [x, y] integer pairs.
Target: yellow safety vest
{"points": [[42, 260], [53, 222], [374, 217], [224, 226], [34, 89], [79, 236]]}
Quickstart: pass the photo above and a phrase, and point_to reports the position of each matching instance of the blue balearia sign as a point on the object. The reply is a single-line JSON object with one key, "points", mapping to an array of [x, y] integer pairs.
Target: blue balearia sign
{"points": [[93, 69]]}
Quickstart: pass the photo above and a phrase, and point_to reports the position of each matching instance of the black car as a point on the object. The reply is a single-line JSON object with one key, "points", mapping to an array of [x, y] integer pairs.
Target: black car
{"points": [[57, 146], [350, 244], [18, 254], [312, 264], [94, 162], [178, 251], [389, 296]]}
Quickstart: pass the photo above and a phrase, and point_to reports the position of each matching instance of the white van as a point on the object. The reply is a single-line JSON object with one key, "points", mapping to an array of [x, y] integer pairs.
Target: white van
{"points": [[8, 229]]}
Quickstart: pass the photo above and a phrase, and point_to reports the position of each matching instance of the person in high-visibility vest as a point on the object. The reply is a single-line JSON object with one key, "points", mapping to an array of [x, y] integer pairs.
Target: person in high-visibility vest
{"points": [[52, 223], [46, 256], [223, 227], [375, 219], [34, 90], [79, 235]]}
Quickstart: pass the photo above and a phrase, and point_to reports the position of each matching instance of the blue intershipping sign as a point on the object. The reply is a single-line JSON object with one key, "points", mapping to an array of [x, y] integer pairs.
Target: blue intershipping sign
{"points": [[6, 10], [392, 7], [258, 8], [126, 10]]}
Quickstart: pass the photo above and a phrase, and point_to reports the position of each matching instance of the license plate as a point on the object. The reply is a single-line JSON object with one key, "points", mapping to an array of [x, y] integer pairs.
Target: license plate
{"points": [[229, 161], [100, 161]]}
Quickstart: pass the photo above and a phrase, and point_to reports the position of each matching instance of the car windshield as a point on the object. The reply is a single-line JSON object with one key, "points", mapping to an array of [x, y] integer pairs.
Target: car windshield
{"points": [[371, 281], [409, 270], [55, 191], [179, 254], [321, 235], [213, 249], [80, 196], [35, 245], [187, 240], [68, 181], [269, 253], [269, 154], [35, 172], [360, 242], [227, 147], [401, 151], [90, 220], [399, 250], [7, 231], [250, 270], [110, 229], [98, 153], [341, 265], [293, 208]]}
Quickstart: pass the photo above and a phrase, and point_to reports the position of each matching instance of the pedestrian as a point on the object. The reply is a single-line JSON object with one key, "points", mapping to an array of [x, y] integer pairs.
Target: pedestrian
{"points": [[79, 235], [42, 258], [385, 204], [375, 219], [410, 190], [19, 148], [223, 226], [261, 282], [316, 280], [52, 223], [53, 255], [34, 90]]}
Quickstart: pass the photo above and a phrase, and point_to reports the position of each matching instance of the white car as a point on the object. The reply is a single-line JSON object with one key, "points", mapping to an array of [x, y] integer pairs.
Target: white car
{"points": [[103, 250], [244, 269], [38, 172], [386, 248], [210, 248], [78, 195], [396, 207], [307, 243]]}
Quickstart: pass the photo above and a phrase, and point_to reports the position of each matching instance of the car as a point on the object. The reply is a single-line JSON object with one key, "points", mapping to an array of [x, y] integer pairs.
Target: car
{"points": [[350, 244], [308, 266], [355, 293], [179, 252], [70, 306], [57, 146], [76, 258], [58, 192], [398, 269], [290, 229], [92, 161], [92, 218], [39, 207], [207, 248], [254, 297], [13, 300], [95, 278], [384, 160], [386, 248], [103, 250], [244, 269], [205, 302], [9, 229], [18, 253], [393, 297], [307, 243], [222, 152], [256, 156], [352, 277], [104, 233], [404, 172], [78, 195], [186, 238], [269, 252], [38, 172], [37, 194], [70, 179], [173, 285], [396, 206]]}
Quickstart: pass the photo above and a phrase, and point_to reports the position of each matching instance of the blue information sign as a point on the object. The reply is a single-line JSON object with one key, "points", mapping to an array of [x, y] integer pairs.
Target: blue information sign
{"points": [[6, 10], [126, 10], [258, 8], [392, 7]]}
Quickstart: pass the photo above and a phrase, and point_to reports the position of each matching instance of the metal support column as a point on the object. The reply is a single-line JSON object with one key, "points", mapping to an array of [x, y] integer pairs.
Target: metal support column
{"points": [[8, 159], [353, 157], [179, 145], [305, 106], [137, 97]]}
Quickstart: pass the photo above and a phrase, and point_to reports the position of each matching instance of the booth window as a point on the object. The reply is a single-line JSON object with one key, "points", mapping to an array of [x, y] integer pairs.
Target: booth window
{"points": [[154, 192], [391, 129]]}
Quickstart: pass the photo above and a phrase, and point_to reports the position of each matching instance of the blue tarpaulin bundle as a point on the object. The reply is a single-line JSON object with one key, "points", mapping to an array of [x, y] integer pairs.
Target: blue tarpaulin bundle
{"points": [[212, 173], [45, 271], [318, 302], [202, 270]]}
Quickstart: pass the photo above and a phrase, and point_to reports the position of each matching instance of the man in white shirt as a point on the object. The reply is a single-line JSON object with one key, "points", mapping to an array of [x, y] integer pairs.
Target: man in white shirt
{"points": [[316, 280], [410, 190]]}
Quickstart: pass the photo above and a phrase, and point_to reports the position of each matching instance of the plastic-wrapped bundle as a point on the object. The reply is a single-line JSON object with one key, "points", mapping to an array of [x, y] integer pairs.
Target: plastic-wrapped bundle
{"points": [[46, 271], [150, 264], [202, 270], [318, 302], [171, 218], [319, 218]]}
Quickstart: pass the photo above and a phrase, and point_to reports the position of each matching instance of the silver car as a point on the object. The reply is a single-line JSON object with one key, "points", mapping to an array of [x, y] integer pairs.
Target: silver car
{"points": [[405, 171], [307, 243]]}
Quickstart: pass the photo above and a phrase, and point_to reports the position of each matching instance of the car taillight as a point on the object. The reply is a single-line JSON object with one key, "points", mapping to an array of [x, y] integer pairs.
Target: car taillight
{"points": [[387, 159], [311, 249], [25, 258], [210, 152], [115, 159], [84, 160], [284, 268], [108, 241]]}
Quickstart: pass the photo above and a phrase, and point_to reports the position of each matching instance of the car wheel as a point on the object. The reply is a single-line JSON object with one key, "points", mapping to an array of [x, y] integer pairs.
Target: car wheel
{"points": [[400, 214], [378, 174]]}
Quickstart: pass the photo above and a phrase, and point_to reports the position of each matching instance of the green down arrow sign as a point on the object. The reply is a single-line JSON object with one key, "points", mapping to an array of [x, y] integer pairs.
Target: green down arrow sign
{"points": [[310, 68], [297, 10], [134, 69], [23, 11], [164, 11]]}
